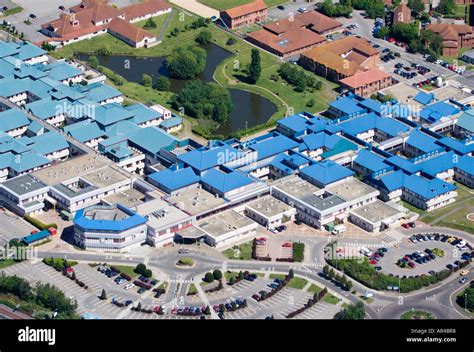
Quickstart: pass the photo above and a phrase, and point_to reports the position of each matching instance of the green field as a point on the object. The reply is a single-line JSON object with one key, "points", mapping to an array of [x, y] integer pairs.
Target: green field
{"points": [[128, 270], [241, 252], [329, 298], [13, 11], [298, 283], [456, 213], [417, 314], [230, 275], [222, 5], [7, 262], [230, 72], [192, 289], [314, 288]]}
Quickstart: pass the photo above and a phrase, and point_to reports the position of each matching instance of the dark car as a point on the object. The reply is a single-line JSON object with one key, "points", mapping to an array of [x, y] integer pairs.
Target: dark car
{"points": [[62, 8], [412, 224], [281, 7], [141, 290], [32, 15]]}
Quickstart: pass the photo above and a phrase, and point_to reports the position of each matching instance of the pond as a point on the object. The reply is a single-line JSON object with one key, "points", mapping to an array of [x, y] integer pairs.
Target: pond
{"points": [[250, 109]]}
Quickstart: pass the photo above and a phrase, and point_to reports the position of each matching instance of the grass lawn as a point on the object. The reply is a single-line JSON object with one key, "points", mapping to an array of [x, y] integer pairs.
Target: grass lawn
{"points": [[417, 314], [241, 252], [331, 299], [277, 276], [413, 208], [185, 262], [128, 270], [314, 288], [13, 11], [7, 262], [458, 219], [232, 274], [280, 93], [298, 283], [222, 5], [164, 285], [192, 289]]}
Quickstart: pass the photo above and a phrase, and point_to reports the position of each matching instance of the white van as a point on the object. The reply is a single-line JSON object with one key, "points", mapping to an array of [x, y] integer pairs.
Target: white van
{"points": [[338, 229]]}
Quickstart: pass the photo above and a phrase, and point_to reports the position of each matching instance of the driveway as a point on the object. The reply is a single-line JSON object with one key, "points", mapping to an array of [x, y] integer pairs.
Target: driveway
{"points": [[196, 8]]}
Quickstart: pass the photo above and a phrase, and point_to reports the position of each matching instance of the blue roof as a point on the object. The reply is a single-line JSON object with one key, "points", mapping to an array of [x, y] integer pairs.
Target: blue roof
{"points": [[61, 71], [36, 237], [109, 114], [206, 158], [371, 161], [438, 164], [315, 141], [422, 141], [26, 50], [35, 127], [455, 145], [129, 222], [49, 142], [225, 180], [12, 119], [28, 161], [371, 121], [151, 139], [172, 180], [436, 111], [84, 131], [122, 128], [276, 144], [425, 188], [424, 98], [347, 106], [403, 164], [400, 110], [466, 121], [326, 172], [100, 92], [466, 164], [7, 50], [142, 113], [392, 181], [295, 123], [120, 151], [372, 105], [172, 122], [6, 68]]}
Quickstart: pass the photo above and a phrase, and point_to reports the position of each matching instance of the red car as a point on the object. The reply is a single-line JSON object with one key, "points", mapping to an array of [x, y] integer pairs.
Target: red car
{"points": [[373, 262], [256, 297], [406, 226]]}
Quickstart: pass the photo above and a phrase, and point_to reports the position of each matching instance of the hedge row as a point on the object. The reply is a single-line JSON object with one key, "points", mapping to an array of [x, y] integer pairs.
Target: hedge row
{"points": [[38, 223]]}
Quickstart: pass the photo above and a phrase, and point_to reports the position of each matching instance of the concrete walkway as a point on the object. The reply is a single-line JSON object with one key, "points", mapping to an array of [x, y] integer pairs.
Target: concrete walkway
{"points": [[196, 7], [203, 297]]}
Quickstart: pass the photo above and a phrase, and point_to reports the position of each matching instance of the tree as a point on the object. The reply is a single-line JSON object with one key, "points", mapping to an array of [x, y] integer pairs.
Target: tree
{"points": [[241, 275], [207, 311], [150, 24], [291, 274], [140, 269], [232, 281], [311, 103], [103, 295], [204, 37], [162, 84], [148, 273], [375, 9], [326, 270], [186, 63], [255, 68], [209, 277], [404, 32], [348, 285], [204, 101], [383, 32], [217, 274], [93, 62], [139, 306], [353, 312], [466, 299], [331, 273], [146, 80], [416, 6], [231, 41], [446, 7]]}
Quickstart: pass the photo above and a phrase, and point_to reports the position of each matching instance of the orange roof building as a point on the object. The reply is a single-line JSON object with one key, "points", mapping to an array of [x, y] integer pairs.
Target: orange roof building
{"points": [[341, 58], [289, 37], [367, 82], [245, 15], [96, 17], [455, 36]]}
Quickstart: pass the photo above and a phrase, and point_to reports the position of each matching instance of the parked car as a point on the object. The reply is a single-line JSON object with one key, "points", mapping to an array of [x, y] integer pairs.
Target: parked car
{"points": [[463, 280], [141, 290], [464, 272]]}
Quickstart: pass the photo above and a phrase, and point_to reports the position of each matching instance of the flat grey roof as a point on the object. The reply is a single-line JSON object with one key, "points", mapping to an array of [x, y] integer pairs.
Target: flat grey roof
{"points": [[105, 213], [351, 189], [195, 201], [191, 232], [268, 206], [296, 187], [129, 198], [160, 213], [24, 184], [376, 211], [222, 223], [322, 204], [404, 93]]}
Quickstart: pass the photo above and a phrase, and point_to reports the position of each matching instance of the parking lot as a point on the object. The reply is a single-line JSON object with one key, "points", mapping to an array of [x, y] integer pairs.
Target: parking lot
{"points": [[289, 9], [438, 262], [11, 226]]}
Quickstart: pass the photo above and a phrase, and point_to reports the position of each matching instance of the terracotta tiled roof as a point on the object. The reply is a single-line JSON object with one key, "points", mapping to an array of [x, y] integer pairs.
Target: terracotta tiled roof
{"points": [[337, 55], [313, 20], [450, 31], [86, 4], [69, 26], [144, 8], [258, 5], [129, 30], [295, 39], [363, 78]]}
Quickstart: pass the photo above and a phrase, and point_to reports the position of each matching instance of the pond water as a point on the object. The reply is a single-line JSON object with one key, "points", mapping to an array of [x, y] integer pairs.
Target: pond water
{"points": [[250, 109]]}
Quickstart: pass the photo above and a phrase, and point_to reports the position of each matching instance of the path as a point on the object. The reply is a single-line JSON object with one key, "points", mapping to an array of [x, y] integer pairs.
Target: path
{"points": [[165, 26], [196, 7], [204, 298]]}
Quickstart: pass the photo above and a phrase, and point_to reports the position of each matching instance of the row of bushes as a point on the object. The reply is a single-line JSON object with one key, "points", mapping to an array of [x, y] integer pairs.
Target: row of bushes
{"points": [[58, 263], [217, 288], [311, 302], [38, 223], [274, 291], [366, 274], [208, 132]]}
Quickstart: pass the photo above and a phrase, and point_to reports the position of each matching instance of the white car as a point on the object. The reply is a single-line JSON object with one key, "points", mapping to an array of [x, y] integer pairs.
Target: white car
{"points": [[302, 9], [129, 286]]}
